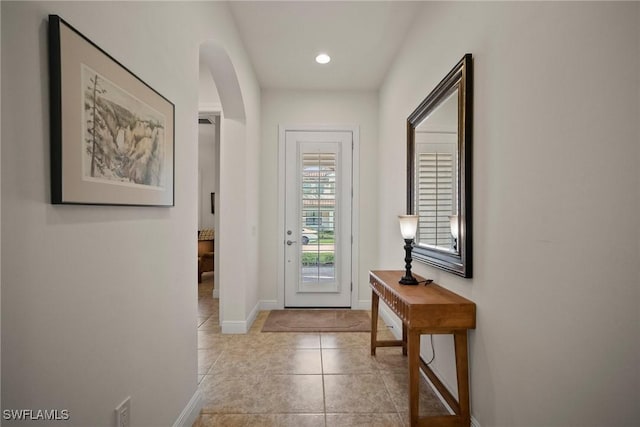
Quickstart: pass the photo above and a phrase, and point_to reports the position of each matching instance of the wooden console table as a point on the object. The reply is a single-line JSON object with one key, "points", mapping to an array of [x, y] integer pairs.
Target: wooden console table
{"points": [[427, 309]]}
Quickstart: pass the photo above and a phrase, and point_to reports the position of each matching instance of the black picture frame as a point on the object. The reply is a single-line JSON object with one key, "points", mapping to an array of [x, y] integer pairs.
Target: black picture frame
{"points": [[213, 203], [112, 135], [460, 78]]}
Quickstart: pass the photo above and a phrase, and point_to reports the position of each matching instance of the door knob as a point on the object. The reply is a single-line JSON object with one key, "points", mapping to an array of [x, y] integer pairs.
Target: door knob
{"points": [[290, 242]]}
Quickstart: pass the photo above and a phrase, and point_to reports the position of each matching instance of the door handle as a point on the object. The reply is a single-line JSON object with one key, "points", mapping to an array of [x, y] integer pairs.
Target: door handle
{"points": [[291, 242]]}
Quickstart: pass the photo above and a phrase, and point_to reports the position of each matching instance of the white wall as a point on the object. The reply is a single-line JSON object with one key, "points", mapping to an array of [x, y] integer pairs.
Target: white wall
{"points": [[208, 99], [207, 173], [282, 107], [207, 91], [250, 167], [1, 406], [556, 203], [97, 303]]}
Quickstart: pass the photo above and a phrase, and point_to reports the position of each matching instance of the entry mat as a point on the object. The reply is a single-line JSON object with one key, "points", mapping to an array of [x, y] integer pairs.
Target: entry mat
{"points": [[320, 320]]}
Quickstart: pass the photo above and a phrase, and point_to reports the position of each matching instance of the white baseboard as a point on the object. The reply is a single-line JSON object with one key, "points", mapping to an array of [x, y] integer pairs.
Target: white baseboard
{"points": [[191, 412], [234, 327], [362, 305], [253, 315], [392, 321], [269, 305], [240, 326], [395, 326]]}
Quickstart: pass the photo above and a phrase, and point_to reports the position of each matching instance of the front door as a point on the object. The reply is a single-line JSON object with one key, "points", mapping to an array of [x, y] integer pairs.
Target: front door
{"points": [[318, 180]]}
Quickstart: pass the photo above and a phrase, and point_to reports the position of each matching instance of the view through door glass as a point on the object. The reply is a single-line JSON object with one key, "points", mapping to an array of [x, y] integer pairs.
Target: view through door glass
{"points": [[318, 217]]}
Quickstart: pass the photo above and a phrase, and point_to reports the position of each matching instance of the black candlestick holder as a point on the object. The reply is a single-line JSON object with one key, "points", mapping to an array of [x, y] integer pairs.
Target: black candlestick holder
{"points": [[408, 279]]}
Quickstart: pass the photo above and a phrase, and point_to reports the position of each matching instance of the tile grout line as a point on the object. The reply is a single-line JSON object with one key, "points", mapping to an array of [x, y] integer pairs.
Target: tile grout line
{"points": [[383, 373], [324, 394], [214, 362], [386, 387]]}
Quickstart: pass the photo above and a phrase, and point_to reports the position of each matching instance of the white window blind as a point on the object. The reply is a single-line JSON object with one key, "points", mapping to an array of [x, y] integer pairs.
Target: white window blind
{"points": [[319, 191], [435, 197], [318, 194]]}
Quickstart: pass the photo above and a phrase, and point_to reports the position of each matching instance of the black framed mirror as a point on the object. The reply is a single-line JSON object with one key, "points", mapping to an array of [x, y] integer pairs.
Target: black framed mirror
{"points": [[439, 181]]}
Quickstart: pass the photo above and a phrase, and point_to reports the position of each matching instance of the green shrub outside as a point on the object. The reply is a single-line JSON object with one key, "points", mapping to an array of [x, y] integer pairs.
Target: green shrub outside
{"points": [[321, 258]]}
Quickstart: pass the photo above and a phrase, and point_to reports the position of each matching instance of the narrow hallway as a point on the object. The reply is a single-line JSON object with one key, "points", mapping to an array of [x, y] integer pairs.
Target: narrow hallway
{"points": [[299, 379]]}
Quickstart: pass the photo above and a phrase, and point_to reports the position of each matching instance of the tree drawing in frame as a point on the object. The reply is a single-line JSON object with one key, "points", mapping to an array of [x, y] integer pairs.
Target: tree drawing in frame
{"points": [[124, 138]]}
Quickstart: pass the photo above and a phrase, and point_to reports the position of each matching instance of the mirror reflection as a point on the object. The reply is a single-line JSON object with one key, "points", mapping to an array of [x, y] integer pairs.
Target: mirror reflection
{"points": [[436, 175]]}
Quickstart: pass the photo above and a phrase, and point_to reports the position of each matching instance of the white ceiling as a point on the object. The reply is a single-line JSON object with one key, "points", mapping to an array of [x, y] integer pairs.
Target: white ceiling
{"points": [[283, 39]]}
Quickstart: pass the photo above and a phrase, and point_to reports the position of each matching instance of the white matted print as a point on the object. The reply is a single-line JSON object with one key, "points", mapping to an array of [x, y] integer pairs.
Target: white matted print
{"points": [[112, 135]]}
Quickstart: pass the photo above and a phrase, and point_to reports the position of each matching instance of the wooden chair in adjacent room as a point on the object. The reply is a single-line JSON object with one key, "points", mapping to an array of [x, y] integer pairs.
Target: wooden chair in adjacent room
{"points": [[205, 251]]}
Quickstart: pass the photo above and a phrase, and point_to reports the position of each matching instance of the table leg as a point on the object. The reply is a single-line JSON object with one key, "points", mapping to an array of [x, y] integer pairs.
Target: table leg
{"points": [[375, 301], [414, 375], [462, 371], [404, 339]]}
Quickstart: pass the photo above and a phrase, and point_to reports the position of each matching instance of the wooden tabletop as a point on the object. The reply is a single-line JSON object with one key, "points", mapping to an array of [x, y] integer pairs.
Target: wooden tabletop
{"points": [[432, 306]]}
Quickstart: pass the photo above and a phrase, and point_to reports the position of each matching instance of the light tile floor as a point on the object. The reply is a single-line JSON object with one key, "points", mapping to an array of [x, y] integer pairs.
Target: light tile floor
{"points": [[299, 379]]}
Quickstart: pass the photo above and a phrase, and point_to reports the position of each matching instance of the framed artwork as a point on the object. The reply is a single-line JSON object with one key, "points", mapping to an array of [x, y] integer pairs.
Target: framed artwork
{"points": [[213, 203], [112, 135]]}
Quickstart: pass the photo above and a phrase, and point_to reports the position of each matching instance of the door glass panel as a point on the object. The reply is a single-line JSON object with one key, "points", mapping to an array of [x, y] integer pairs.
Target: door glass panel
{"points": [[318, 250]]}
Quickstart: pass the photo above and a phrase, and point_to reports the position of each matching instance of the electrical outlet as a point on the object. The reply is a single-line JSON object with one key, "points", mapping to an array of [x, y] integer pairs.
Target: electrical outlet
{"points": [[123, 413]]}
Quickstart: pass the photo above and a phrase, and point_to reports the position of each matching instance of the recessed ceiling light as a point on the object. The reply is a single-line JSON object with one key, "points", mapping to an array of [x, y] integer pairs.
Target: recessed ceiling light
{"points": [[323, 58]]}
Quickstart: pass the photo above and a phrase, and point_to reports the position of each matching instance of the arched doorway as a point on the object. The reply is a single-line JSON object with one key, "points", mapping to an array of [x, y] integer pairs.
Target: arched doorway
{"points": [[228, 206]]}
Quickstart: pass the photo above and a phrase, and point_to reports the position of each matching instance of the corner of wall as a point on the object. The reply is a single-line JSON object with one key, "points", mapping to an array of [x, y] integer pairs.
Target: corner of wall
{"points": [[241, 326]]}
